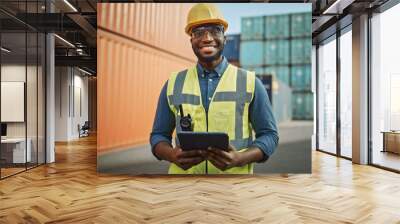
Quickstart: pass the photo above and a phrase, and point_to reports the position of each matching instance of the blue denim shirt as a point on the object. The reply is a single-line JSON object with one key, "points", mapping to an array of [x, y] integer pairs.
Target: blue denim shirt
{"points": [[260, 112]]}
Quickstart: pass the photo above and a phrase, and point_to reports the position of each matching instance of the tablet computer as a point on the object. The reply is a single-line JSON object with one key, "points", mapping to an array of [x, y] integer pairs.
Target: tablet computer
{"points": [[202, 140]]}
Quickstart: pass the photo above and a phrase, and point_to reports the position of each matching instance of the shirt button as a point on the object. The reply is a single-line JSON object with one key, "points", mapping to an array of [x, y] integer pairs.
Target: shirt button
{"points": [[209, 98], [210, 80]]}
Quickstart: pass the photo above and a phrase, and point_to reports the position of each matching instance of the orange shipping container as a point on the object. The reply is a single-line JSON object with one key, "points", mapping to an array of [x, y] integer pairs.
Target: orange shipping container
{"points": [[133, 64], [158, 24]]}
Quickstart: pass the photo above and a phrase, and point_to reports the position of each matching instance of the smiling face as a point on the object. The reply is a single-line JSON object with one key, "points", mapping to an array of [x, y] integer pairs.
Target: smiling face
{"points": [[208, 42]]}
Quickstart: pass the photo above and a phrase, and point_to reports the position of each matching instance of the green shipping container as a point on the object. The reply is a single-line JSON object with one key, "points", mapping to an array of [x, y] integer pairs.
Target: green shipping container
{"points": [[301, 25], [301, 51], [252, 28], [252, 53], [276, 52], [303, 106], [258, 70], [277, 27], [301, 77], [279, 72]]}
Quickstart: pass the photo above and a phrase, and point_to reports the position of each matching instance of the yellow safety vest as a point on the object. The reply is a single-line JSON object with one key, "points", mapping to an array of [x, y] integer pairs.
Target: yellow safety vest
{"points": [[228, 112]]}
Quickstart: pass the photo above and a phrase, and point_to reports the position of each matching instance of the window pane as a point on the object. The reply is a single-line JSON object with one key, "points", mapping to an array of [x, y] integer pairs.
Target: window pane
{"points": [[31, 97], [346, 94], [327, 96], [15, 150], [386, 89]]}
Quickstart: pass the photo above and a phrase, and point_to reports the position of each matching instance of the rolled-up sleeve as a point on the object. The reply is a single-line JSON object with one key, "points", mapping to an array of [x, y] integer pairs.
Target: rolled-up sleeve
{"points": [[164, 122], [263, 121]]}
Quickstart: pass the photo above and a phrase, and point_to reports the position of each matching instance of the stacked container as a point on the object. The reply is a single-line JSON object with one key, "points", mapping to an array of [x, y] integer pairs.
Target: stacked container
{"points": [[134, 64], [276, 27], [302, 105], [252, 28], [280, 46], [231, 49], [300, 67], [276, 52]]}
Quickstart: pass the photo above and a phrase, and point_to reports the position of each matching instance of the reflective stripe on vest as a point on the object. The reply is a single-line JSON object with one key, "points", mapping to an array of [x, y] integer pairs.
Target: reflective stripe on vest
{"points": [[228, 110]]}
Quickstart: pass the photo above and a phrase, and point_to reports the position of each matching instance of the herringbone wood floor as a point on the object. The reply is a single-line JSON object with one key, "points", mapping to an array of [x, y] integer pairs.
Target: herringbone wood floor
{"points": [[71, 191]]}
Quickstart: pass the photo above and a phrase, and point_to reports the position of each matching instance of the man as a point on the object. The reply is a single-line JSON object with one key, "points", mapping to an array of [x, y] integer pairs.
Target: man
{"points": [[219, 98]]}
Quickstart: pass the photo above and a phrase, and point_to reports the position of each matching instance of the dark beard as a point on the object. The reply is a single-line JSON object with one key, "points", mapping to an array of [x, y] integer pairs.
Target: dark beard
{"points": [[209, 58]]}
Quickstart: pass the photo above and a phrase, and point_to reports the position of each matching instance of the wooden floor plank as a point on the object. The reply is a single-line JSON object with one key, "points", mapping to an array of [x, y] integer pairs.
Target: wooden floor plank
{"points": [[71, 191]]}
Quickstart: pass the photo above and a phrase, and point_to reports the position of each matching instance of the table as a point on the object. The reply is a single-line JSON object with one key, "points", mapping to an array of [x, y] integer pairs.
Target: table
{"points": [[13, 150], [391, 141]]}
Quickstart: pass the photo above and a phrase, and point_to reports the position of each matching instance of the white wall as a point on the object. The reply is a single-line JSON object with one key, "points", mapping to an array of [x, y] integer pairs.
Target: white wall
{"points": [[62, 81], [16, 73], [71, 92]]}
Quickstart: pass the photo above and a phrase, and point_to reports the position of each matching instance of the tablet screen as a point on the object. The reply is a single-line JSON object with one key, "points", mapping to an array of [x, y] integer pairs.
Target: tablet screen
{"points": [[203, 140]]}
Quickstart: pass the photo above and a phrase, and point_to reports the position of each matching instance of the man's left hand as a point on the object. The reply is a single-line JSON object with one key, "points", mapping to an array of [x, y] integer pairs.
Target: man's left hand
{"points": [[224, 160]]}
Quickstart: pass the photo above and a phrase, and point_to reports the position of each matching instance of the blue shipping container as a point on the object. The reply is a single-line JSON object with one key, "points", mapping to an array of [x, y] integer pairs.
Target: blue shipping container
{"points": [[232, 47], [267, 82], [251, 53], [252, 28], [276, 52]]}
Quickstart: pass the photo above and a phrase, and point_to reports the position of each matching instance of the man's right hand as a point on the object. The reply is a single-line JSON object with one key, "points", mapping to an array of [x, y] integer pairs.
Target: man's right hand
{"points": [[186, 159], [183, 159]]}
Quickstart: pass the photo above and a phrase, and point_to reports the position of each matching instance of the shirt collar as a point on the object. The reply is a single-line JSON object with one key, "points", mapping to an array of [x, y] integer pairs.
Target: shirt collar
{"points": [[219, 70]]}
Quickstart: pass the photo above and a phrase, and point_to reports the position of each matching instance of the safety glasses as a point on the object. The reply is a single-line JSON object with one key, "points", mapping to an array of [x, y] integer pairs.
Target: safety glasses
{"points": [[214, 30]]}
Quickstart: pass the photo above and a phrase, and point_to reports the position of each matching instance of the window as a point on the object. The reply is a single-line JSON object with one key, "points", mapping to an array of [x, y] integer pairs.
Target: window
{"points": [[327, 96], [346, 93], [385, 89], [23, 89]]}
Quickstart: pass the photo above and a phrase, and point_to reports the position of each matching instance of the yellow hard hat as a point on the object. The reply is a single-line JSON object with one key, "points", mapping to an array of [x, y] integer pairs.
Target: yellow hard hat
{"points": [[203, 13]]}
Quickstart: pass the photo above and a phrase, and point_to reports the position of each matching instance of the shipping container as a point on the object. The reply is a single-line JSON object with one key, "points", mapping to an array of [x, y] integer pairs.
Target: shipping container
{"points": [[303, 106], [131, 73], [280, 72], [232, 47], [257, 70], [276, 52], [277, 27], [301, 77], [301, 24], [252, 28], [252, 53], [267, 82], [157, 24], [301, 51]]}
